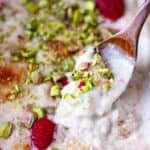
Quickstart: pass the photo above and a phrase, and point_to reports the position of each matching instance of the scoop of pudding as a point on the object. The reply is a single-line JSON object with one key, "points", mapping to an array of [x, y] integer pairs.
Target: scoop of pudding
{"points": [[76, 107]]}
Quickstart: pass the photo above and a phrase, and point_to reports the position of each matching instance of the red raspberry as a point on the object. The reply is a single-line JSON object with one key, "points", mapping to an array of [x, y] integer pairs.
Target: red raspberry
{"points": [[112, 9], [2, 5], [63, 81], [43, 133], [81, 84]]}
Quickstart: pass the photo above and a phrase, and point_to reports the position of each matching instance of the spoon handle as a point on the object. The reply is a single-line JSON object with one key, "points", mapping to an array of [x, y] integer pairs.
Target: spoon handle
{"points": [[135, 27]]}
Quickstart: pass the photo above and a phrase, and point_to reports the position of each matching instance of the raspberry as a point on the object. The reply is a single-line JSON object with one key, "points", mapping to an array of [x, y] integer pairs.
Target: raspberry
{"points": [[112, 9], [81, 84], [2, 5], [62, 82], [43, 132]]}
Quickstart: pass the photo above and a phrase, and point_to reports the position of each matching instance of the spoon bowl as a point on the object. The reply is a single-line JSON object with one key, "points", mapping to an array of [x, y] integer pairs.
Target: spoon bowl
{"points": [[126, 42]]}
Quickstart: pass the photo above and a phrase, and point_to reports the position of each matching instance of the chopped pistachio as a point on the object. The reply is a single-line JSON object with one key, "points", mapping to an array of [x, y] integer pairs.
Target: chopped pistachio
{"points": [[76, 75], [35, 76], [32, 24], [106, 73], [57, 75], [89, 84], [29, 53], [87, 74], [42, 3], [16, 55], [85, 89], [31, 65], [38, 111], [29, 78], [89, 39], [1, 55], [47, 78], [68, 96], [5, 129], [68, 64], [17, 89], [32, 7], [77, 17], [55, 91], [90, 5], [2, 38], [97, 58], [32, 61], [2, 18], [88, 19], [96, 78]]}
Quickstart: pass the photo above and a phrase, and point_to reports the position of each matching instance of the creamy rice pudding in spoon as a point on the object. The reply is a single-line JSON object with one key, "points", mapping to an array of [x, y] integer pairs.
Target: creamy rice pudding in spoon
{"points": [[56, 91]]}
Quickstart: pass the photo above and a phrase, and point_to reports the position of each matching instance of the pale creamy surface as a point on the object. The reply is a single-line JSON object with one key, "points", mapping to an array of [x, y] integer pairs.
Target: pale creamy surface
{"points": [[95, 120], [88, 116]]}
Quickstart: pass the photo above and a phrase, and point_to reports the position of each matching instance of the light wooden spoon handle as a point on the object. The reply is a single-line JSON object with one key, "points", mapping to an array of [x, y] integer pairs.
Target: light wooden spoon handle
{"points": [[137, 23], [127, 39]]}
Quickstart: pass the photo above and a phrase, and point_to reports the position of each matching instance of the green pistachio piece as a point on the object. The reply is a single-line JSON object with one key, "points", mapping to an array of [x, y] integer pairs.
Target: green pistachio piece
{"points": [[47, 78], [32, 24], [28, 79], [55, 91], [97, 58], [42, 3], [89, 84], [2, 18], [30, 34], [38, 111], [1, 55], [77, 17], [17, 89], [88, 18], [32, 7], [5, 129], [68, 64], [106, 73], [2, 38], [85, 89], [16, 55], [76, 75], [57, 75], [89, 39], [32, 64], [35, 76], [29, 53], [68, 96], [90, 5]]}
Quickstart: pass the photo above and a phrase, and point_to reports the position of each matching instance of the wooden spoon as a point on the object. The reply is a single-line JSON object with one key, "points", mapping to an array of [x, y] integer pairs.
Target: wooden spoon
{"points": [[127, 41], [128, 38]]}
